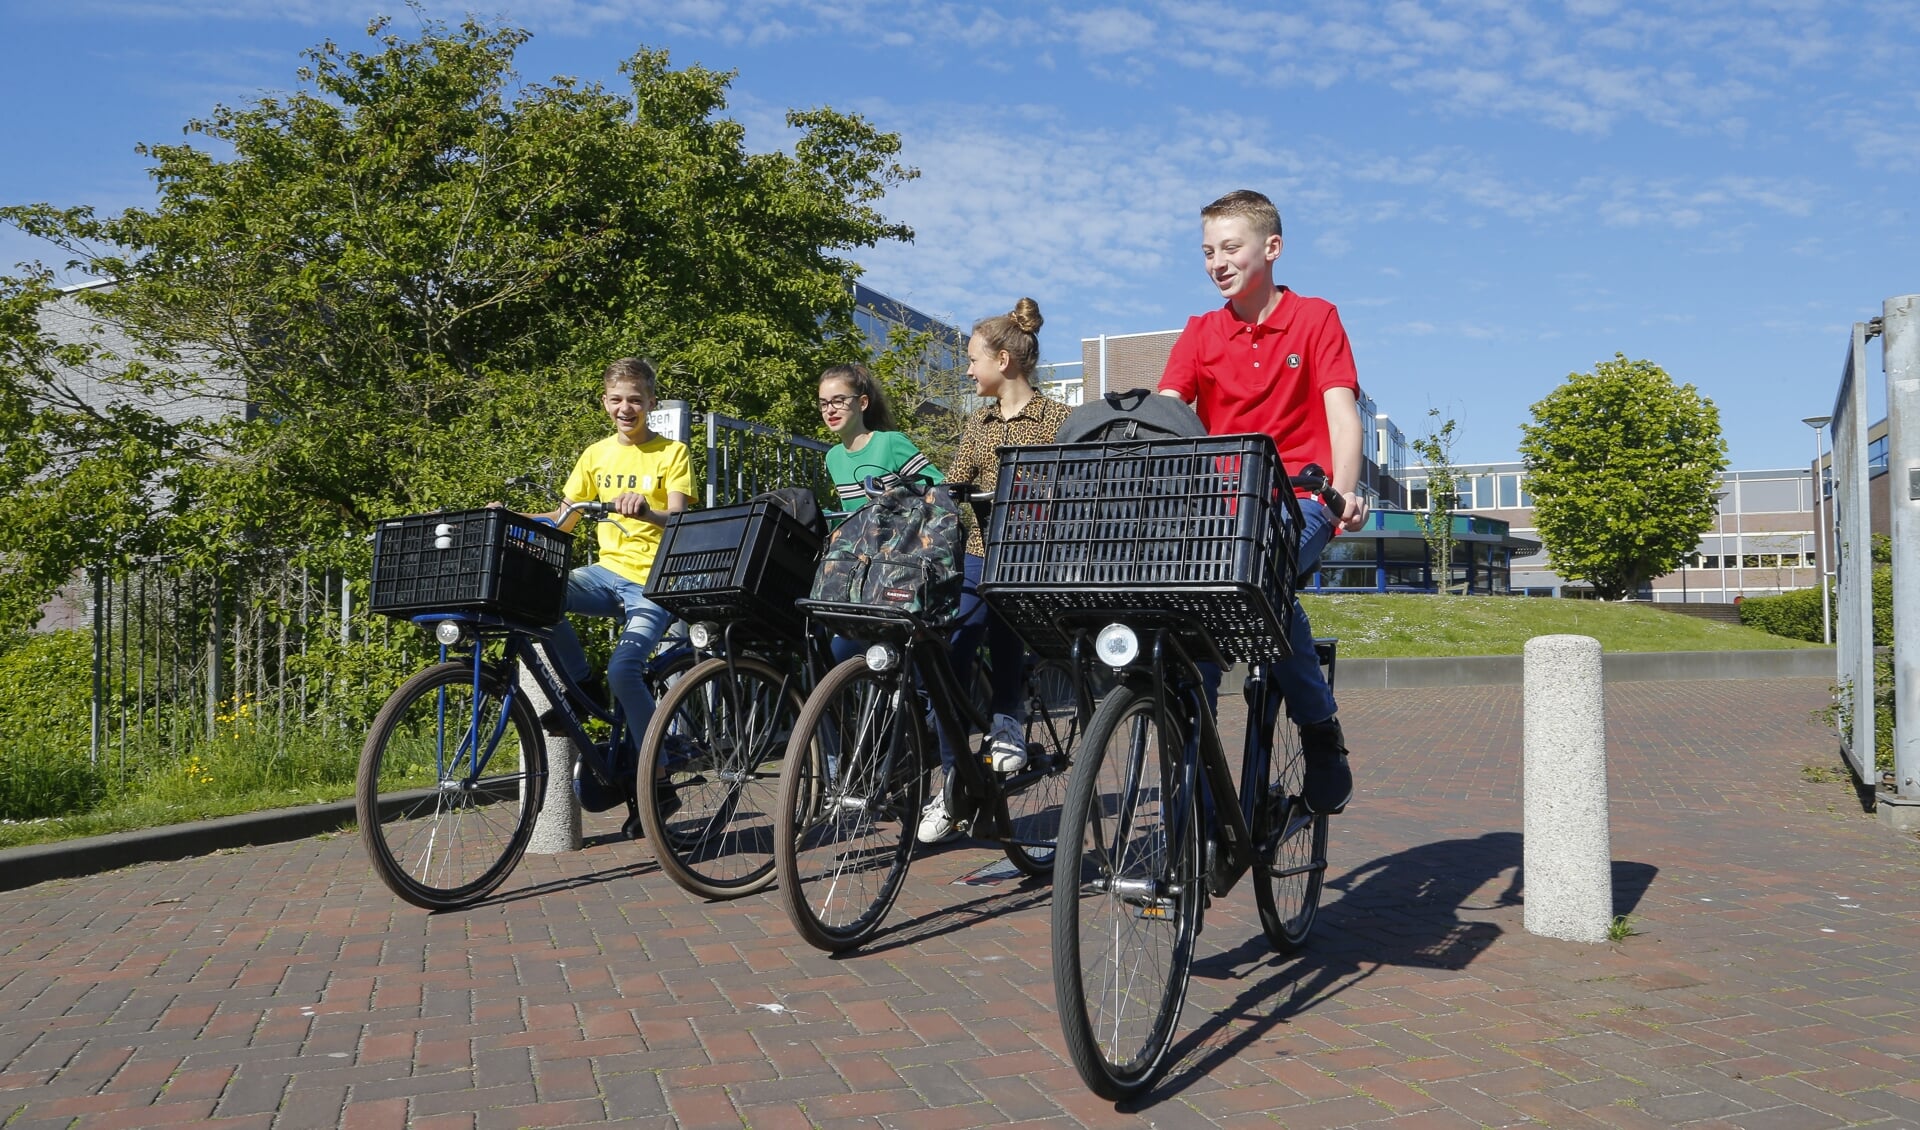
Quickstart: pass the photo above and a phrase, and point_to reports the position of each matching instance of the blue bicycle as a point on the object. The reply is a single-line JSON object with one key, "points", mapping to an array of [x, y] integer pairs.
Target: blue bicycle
{"points": [[454, 770]]}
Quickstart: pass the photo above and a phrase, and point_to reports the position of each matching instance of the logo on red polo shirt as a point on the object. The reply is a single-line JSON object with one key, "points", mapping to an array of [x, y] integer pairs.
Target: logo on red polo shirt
{"points": [[1293, 360]]}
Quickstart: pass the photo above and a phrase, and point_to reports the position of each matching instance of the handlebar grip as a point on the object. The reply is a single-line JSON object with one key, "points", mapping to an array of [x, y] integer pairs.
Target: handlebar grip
{"points": [[1314, 477]]}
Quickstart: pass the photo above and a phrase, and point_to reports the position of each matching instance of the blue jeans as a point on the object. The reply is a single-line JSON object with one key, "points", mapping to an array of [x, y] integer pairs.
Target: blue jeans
{"points": [[1006, 677], [599, 591], [1309, 698]]}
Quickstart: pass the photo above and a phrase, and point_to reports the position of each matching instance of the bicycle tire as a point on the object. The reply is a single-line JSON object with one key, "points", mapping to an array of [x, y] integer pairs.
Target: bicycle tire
{"points": [[1036, 795], [850, 797], [439, 835], [1125, 914], [721, 732], [1292, 868]]}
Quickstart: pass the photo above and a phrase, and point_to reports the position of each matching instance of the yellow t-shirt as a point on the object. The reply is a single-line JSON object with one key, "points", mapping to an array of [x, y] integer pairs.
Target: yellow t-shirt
{"points": [[610, 469]]}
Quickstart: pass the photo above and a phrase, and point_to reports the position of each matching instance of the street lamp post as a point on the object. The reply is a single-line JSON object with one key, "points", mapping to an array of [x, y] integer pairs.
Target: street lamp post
{"points": [[1820, 516]]}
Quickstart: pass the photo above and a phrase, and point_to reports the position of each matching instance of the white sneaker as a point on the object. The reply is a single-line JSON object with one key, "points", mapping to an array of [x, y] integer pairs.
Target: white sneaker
{"points": [[1007, 748], [935, 823]]}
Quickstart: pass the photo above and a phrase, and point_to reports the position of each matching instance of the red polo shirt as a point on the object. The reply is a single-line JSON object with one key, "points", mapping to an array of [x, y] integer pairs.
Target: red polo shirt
{"points": [[1269, 377]]}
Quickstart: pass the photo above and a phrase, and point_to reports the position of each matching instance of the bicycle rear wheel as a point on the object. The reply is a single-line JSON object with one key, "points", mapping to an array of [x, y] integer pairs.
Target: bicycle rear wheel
{"points": [[1288, 876], [1126, 898], [449, 786], [850, 795], [1036, 794], [709, 775]]}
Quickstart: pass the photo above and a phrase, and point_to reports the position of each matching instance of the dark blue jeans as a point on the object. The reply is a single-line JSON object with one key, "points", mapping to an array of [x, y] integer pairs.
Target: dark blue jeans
{"points": [[1309, 698]]}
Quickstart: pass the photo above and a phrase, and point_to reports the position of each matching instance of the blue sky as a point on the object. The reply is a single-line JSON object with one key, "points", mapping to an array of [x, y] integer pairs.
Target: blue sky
{"points": [[1494, 193]]}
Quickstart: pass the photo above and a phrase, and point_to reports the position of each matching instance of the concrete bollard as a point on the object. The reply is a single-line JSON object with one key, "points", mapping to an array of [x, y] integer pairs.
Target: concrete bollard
{"points": [[557, 828], [1566, 851]]}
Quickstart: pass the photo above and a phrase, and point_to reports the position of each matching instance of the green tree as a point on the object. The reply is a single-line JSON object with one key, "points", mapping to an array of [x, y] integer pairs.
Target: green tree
{"points": [[80, 476], [1622, 465], [1443, 483], [409, 272]]}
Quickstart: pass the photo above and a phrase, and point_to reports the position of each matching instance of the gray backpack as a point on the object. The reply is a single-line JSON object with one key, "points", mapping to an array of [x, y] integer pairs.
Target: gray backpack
{"points": [[1136, 414]]}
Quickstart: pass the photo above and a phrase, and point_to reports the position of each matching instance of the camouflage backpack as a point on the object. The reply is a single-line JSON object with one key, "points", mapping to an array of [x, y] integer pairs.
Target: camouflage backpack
{"points": [[900, 551]]}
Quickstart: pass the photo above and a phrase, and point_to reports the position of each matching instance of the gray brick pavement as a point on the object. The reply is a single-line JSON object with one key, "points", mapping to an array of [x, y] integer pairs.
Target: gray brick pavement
{"points": [[1772, 983]]}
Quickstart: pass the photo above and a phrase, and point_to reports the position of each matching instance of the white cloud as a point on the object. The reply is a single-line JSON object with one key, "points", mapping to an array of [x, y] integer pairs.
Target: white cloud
{"points": [[1692, 65]]}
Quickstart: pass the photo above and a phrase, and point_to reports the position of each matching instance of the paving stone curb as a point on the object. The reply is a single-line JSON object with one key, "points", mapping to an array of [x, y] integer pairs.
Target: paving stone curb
{"points": [[91, 855]]}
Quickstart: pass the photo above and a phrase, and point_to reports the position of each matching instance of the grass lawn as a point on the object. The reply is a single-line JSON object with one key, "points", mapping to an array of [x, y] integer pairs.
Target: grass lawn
{"points": [[1383, 626], [138, 812]]}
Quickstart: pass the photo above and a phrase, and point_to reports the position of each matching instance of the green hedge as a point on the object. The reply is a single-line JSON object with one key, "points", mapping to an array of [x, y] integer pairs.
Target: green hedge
{"points": [[1796, 615], [46, 717]]}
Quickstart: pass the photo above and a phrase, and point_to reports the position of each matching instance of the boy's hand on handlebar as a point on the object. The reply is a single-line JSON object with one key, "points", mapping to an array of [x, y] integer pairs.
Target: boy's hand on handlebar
{"points": [[1355, 514], [632, 505]]}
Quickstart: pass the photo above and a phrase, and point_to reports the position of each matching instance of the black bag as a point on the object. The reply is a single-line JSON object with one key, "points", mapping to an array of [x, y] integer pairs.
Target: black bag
{"points": [[801, 504], [1136, 414]]}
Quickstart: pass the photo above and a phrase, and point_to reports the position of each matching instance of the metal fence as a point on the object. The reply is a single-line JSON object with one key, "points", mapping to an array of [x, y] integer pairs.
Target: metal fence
{"points": [[280, 644], [1898, 331]]}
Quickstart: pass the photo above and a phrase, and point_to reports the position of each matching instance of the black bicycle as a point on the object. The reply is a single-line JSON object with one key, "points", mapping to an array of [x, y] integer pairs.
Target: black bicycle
{"points": [[859, 764], [1165, 560]]}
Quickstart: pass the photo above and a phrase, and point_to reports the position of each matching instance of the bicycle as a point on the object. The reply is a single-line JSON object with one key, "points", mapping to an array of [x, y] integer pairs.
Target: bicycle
{"points": [[1154, 825], [858, 765], [454, 769], [716, 740]]}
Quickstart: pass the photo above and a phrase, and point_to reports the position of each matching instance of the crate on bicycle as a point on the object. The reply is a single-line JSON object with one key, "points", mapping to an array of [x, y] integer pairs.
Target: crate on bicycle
{"points": [[1204, 528], [747, 562], [489, 560]]}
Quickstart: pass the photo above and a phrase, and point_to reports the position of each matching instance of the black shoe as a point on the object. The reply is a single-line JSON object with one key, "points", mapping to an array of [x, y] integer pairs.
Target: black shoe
{"points": [[670, 803], [1329, 784]]}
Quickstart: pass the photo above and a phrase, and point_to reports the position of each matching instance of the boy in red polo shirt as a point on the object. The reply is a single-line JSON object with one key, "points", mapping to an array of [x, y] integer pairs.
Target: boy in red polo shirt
{"points": [[1274, 362]]}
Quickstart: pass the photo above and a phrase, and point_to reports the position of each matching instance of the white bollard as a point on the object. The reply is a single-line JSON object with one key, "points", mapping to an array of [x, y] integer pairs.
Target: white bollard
{"points": [[1566, 851], [557, 828]]}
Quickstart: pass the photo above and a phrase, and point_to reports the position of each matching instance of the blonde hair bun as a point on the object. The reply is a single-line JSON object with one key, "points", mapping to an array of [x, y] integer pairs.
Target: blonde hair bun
{"points": [[1026, 315]]}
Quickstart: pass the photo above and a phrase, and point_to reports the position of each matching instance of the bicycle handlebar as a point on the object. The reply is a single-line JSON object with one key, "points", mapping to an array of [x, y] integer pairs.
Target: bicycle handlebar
{"points": [[1314, 477], [962, 492]]}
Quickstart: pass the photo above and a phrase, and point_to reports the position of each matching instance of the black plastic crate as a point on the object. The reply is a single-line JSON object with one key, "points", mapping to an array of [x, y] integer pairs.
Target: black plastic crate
{"points": [[1204, 529], [735, 563], [488, 560]]}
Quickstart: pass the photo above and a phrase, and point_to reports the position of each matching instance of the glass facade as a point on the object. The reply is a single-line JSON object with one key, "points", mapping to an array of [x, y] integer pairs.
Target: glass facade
{"points": [[1391, 556], [878, 317]]}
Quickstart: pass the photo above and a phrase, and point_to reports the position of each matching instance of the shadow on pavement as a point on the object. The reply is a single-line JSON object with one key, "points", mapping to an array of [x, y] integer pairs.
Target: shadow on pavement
{"points": [[1027, 892], [639, 867], [1401, 909], [1398, 910]]}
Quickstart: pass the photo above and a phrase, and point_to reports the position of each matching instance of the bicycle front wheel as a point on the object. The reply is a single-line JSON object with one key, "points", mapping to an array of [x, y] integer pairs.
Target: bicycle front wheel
{"points": [[1036, 794], [1126, 897], [709, 775], [450, 780], [1288, 876], [850, 795]]}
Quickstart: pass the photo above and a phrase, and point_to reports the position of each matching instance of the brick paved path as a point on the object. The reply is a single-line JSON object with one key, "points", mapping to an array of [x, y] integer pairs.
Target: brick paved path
{"points": [[1773, 983]]}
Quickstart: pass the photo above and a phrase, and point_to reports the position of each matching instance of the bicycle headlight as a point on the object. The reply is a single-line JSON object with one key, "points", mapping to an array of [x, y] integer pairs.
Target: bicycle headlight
{"points": [[449, 632], [1117, 645], [703, 635], [883, 657]]}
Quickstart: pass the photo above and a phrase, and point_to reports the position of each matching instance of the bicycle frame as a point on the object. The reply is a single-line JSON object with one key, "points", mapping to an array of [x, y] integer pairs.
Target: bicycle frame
{"points": [[925, 663], [1227, 828], [522, 653]]}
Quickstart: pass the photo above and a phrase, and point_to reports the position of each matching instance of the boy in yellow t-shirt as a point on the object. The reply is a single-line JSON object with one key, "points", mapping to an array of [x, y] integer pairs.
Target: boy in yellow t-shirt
{"points": [[644, 477]]}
